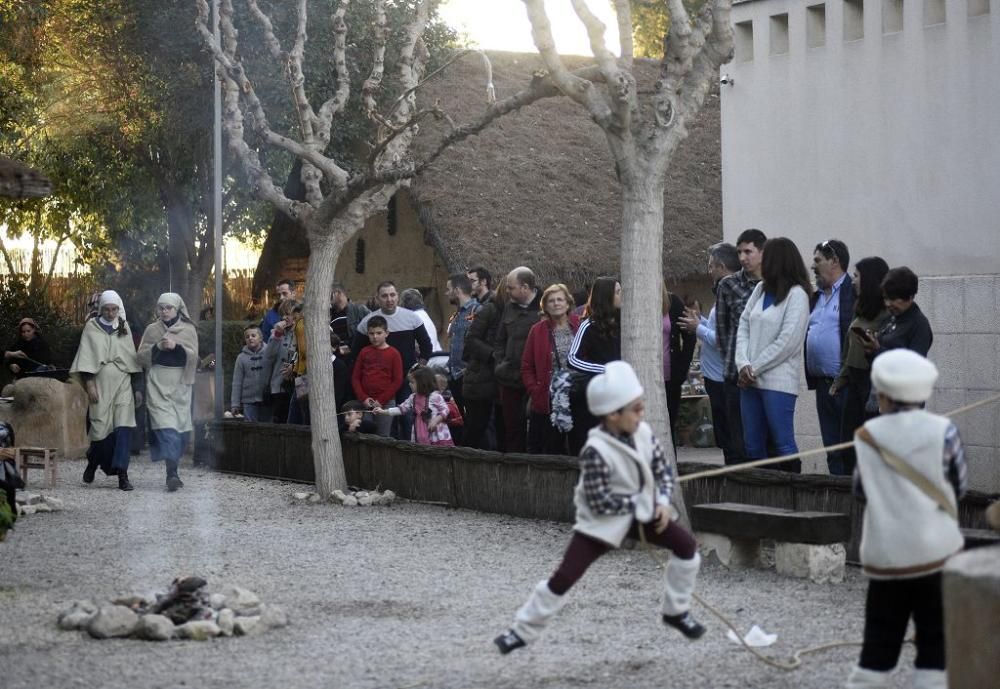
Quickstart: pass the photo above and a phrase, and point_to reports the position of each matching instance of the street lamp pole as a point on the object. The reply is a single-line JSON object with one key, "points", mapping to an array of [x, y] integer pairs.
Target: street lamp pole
{"points": [[217, 219]]}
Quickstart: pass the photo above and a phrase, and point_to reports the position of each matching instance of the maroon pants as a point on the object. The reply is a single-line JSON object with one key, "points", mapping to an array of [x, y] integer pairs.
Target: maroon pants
{"points": [[584, 550]]}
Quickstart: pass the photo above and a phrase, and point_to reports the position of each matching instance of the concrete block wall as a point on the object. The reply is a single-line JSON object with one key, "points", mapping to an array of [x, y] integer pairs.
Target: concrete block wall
{"points": [[964, 312]]}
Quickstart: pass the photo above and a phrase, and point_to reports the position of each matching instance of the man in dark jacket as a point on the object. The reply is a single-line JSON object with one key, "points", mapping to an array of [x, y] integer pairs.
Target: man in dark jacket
{"points": [[520, 313], [345, 315], [832, 310], [479, 385]]}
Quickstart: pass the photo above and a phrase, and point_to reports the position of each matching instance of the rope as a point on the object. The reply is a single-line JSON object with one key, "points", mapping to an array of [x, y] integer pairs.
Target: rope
{"points": [[818, 451], [796, 660]]}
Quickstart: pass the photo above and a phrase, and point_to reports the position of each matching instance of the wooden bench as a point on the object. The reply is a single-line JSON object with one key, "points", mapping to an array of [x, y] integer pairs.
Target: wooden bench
{"points": [[977, 538], [43, 458], [807, 544]]}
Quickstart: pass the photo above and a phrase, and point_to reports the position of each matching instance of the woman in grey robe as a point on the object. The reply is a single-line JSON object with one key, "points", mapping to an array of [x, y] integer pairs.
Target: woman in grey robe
{"points": [[169, 353]]}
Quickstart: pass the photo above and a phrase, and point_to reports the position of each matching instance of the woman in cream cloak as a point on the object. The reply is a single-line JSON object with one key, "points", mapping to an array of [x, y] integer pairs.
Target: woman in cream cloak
{"points": [[106, 364], [169, 353]]}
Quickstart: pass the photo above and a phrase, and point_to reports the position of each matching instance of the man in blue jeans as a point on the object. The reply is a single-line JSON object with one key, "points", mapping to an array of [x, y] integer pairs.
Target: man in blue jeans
{"points": [[832, 309]]}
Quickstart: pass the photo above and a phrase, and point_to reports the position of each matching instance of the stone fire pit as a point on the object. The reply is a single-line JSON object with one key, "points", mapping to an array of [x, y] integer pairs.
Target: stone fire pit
{"points": [[187, 611]]}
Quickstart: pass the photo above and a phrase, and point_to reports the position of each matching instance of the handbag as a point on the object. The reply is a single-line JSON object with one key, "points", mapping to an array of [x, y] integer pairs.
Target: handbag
{"points": [[301, 386], [563, 384]]}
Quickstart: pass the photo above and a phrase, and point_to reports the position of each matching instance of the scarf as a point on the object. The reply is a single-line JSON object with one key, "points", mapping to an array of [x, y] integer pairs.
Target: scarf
{"points": [[182, 330]]}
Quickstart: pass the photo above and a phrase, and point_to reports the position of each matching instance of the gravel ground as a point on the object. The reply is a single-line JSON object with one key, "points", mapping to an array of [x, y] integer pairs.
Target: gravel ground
{"points": [[399, 597]]}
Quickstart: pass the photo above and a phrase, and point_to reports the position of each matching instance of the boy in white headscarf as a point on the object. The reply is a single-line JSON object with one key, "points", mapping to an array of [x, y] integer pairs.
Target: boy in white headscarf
{"points": [[107, 366], [169, 353], [625, 486], [911, 470]]}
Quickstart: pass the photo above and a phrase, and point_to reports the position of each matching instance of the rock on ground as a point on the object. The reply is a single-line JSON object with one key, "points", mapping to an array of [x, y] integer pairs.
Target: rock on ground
{"points": [[113, 621]]}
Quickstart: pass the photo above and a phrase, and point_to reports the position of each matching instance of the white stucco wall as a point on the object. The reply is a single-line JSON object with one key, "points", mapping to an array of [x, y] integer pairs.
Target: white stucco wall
{"points": [[889, 143]]}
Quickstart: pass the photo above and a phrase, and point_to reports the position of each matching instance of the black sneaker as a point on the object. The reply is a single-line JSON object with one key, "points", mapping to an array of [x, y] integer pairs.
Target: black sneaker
{"points": [[123, 482], [90, 472], [508, 641], [173, 483], [685, 624]]}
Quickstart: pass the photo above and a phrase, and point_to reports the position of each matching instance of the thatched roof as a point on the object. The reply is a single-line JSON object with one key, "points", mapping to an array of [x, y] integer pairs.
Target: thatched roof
{"points": [[18, 181], [538, 188]]}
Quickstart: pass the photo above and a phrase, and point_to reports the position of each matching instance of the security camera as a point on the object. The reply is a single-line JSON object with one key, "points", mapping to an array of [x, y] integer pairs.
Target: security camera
{"points": [[727, 80]]}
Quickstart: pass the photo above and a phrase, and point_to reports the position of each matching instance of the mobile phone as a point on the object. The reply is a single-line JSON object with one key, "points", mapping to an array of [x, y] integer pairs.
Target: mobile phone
{"points": [[861, 332]]}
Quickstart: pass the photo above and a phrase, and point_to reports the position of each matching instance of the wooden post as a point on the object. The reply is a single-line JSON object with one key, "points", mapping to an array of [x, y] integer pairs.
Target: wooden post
{"points": [[972, 618]]}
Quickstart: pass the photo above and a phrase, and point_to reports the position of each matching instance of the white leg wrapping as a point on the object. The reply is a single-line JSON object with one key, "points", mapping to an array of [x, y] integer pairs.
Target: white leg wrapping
{"points": [[678, 585], [541, 605], [930, 679], [861, 678]]}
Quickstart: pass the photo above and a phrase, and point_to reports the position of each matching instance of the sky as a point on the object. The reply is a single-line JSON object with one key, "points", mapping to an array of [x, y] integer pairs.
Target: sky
{"points": [[503, 24]]}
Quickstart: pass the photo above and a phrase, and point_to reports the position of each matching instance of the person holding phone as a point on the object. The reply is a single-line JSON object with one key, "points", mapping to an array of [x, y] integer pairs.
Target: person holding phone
{"points": [[854, 379]]}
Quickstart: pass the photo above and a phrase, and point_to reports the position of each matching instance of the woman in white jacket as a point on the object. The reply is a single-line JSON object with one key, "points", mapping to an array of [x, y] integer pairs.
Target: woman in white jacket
{"points": [[769, 352]]}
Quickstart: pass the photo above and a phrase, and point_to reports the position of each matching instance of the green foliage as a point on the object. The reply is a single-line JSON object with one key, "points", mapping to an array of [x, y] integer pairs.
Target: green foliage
{"points": [[650, 23], [7, 517]]}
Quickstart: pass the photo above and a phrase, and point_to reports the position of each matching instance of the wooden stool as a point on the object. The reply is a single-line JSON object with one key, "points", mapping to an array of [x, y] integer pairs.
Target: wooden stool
{"points": [[43, 458]]}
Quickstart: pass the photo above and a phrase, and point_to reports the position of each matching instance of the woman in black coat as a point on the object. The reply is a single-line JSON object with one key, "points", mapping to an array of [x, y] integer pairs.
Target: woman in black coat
{"points": [[597, 342], [29, 351]]}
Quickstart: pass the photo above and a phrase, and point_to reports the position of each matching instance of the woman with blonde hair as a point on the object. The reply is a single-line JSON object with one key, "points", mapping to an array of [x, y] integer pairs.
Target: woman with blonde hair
{"points": [[545, 351], [106, 364], [169, 353]]}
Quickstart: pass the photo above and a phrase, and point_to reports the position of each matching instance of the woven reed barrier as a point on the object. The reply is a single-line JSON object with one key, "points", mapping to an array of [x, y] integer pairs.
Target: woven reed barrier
{"points": [[520, 485]]}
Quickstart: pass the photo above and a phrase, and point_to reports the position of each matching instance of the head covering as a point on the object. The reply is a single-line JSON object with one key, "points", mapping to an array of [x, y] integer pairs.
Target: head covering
{"points": [[904, 376], [32, 322], [111, 297], [613, 389], [174, 299], [6, 435]]}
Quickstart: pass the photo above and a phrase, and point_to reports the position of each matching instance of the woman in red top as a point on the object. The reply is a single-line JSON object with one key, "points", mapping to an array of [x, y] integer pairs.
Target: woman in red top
{"points": [[546, 350]]}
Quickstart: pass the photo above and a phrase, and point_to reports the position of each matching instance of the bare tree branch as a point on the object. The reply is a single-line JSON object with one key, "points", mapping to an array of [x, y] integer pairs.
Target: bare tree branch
{"points": [[623, 10], [233, 117], [235, 79], [370, 89], [55, 255], [336, 103], [7, 259], [580, 90], [620, 83], [270, 39]]}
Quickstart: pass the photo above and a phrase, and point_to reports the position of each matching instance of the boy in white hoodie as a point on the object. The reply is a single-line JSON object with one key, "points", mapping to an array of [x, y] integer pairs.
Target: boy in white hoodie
{"points": [[625, 485], [911, 469]]}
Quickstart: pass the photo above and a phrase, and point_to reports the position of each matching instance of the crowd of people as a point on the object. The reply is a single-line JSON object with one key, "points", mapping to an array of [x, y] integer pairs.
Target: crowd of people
{"points": [[518, 355], [513, 372]]}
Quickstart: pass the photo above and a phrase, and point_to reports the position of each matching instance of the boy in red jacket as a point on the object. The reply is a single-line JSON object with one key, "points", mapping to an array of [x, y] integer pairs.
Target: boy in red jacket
{"points": [[378, 373]]}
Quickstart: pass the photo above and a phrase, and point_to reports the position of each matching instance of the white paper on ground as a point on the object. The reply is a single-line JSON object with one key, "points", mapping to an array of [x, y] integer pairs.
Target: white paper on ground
{"points": [[756, 637]]}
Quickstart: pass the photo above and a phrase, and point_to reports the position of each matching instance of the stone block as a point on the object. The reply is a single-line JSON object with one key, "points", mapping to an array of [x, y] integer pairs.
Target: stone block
{"points": [[47, 413], [984, 468], [983, 361], [971, 588], [946, 307], [950, 354], [733, 553], [819, 563], [982, 309]]}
